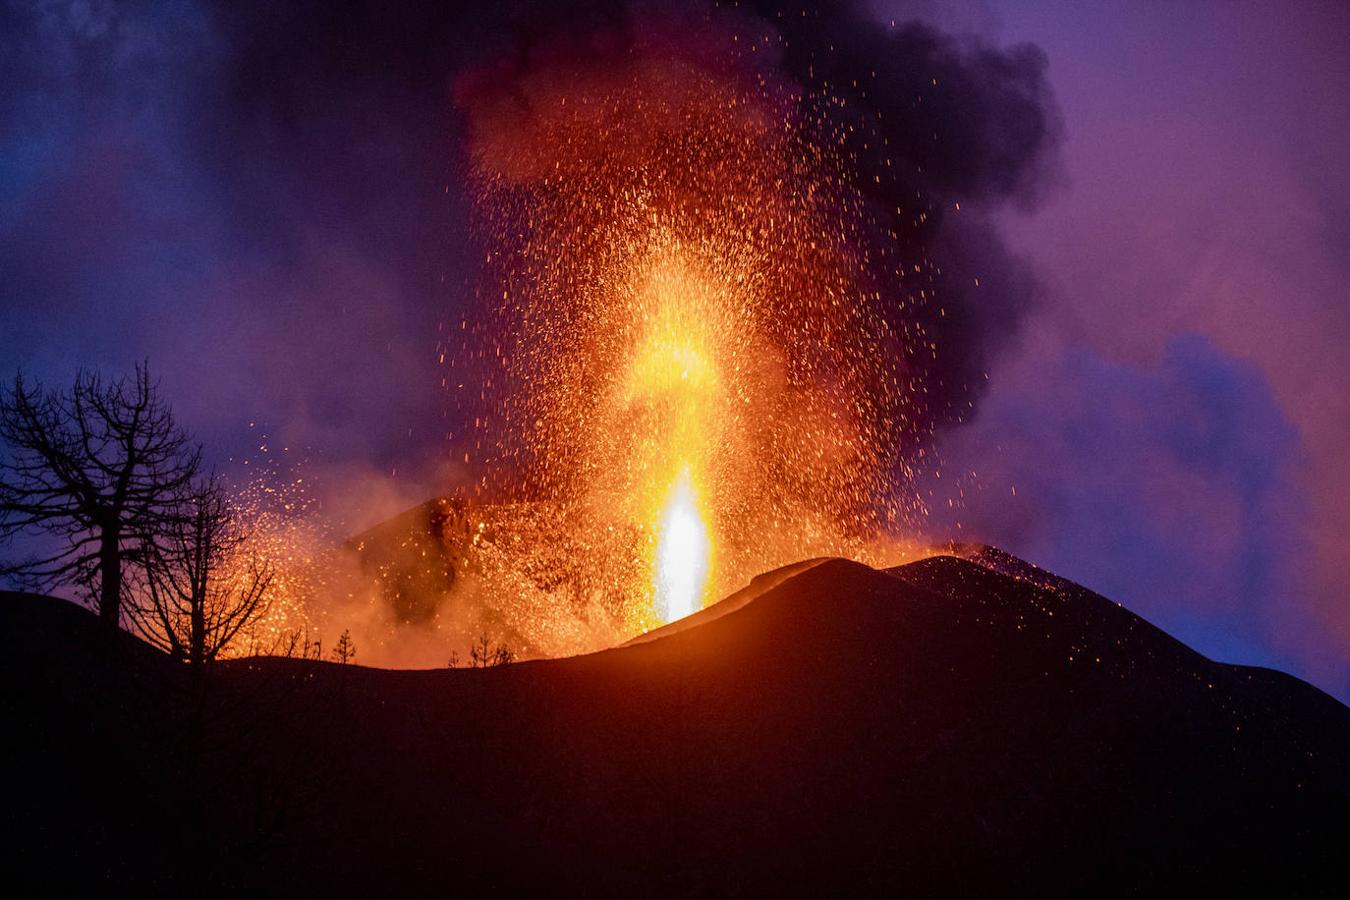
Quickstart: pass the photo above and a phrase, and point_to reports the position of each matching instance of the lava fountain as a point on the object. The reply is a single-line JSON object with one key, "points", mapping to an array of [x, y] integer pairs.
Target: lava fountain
{"points": [[679, 355], [671, 410], [681, 554]]}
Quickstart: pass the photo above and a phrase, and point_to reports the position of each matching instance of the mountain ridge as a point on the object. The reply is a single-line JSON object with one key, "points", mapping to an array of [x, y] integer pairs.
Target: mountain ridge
{"points": [[947, 729]]}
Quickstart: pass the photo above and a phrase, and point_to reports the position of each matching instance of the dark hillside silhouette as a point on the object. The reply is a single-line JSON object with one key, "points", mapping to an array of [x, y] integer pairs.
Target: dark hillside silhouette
{"points": [[943, 728]]}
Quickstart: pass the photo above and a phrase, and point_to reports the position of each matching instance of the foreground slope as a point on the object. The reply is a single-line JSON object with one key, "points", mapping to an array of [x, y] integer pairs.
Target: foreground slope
{"points": [[950, 726]]}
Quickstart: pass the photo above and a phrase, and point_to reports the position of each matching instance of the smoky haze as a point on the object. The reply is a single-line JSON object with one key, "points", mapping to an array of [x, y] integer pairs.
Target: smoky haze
{"points": [[267, 200], [269, 203]]}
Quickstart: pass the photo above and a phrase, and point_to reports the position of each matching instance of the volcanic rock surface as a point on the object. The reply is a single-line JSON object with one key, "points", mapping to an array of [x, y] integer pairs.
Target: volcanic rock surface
{"points": [[967, 726]]}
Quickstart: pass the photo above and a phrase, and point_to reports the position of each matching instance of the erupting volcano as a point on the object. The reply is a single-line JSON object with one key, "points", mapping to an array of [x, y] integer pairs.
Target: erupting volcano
{"points": [[698, 343], [727, 296], [651, 335]]}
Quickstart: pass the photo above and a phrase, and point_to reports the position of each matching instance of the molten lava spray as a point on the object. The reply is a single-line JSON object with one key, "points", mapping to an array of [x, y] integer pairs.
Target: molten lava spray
{"points": [[682, 553], [704, 349], [681, 368], [749, 239]]}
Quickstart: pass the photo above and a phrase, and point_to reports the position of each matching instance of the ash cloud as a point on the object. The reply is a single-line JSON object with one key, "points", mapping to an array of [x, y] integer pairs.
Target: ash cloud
{"points": [[267, 201], [965, 120], [935, 122], [938, 133]]}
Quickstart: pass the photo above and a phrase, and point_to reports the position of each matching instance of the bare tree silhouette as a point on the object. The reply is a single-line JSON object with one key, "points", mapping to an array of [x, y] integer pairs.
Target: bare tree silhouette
{"points": [[295, 644], [484, 654], [204, 584], [345, 651], [96, 468]]}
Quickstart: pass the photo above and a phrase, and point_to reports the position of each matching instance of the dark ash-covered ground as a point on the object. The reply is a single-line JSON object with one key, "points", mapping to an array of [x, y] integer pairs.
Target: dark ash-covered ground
{"points": [[967, 726]]}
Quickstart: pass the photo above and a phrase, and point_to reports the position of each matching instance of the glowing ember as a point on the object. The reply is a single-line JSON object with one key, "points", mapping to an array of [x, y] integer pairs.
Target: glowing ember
{"points": [[283, 538], [683, 359], [681, 554]]}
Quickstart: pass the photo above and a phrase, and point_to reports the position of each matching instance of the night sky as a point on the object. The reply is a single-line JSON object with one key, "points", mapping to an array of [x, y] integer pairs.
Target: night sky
{"points": [[269, 205]]}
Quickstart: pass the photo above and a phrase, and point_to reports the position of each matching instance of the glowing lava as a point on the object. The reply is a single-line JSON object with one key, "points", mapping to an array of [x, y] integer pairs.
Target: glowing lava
{"points": [[670, 409], [682, 554], [685, 358]]}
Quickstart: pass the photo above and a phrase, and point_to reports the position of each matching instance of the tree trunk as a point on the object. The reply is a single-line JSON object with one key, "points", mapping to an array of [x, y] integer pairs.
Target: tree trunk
{"points": [[110, 567], [197, 638]]}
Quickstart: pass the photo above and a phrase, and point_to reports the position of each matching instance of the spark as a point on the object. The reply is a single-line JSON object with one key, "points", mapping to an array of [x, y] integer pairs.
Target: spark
{"points": [[683, 354]]}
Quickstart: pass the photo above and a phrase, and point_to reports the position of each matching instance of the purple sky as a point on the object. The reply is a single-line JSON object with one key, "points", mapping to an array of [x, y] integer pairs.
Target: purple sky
{"points": [[1172, 415], [1186, 377]]}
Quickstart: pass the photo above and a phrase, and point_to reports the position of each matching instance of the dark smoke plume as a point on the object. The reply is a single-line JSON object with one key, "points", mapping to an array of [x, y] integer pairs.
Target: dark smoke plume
{"points": [[929, 121], [923, 123], [301, 166], [933, 123]]}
